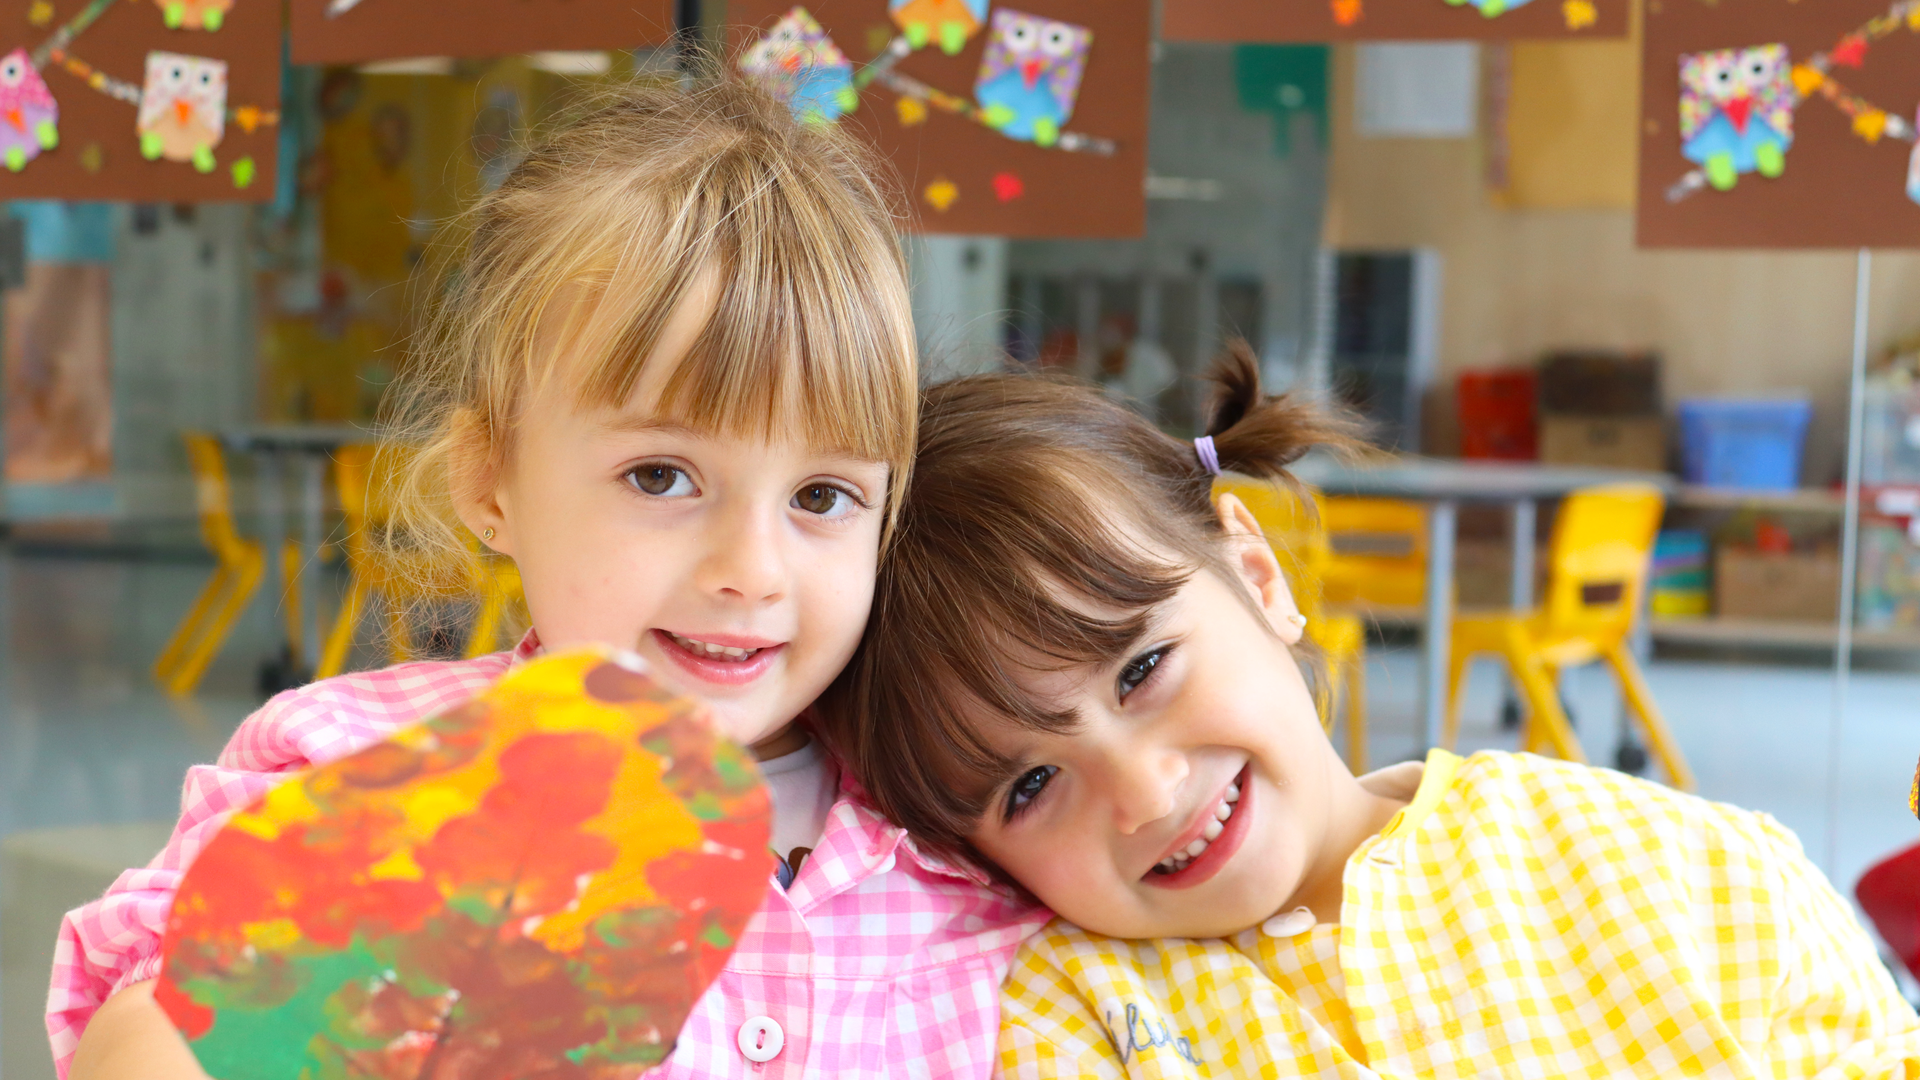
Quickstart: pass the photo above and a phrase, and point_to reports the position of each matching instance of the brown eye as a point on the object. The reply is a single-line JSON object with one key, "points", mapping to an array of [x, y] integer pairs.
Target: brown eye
{"points": [[822, 499], [661, 480]]}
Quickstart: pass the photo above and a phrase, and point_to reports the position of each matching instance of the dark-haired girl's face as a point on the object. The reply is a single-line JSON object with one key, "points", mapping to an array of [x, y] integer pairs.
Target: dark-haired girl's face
{"points": [[1198, 795]]}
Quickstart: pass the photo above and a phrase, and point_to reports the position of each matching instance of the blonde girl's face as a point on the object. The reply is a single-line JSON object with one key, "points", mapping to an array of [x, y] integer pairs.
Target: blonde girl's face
{"points": [[1193, 797], [742, 570]]}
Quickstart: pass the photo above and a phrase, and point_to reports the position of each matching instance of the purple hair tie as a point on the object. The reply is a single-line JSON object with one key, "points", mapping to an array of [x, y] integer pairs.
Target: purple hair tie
{"points": [[1209, 457]]}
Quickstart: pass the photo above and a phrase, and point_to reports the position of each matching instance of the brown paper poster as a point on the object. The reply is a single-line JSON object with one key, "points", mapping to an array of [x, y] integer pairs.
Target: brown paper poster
{"points": [[58, 375], [354, 31], [1026, 121], [1780, 123], [142, 100], [1390, 20]]}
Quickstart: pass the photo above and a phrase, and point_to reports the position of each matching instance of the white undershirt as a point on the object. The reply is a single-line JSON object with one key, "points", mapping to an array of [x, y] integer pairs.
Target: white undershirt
{"points": [[802, 786]]}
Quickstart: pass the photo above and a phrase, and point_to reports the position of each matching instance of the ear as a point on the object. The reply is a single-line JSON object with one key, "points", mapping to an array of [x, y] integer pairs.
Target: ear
{"points": [[1259, 570], [476, 482]]}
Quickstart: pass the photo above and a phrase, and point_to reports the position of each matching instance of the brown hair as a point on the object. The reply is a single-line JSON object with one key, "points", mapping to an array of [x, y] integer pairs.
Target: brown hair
{"points": [[591, 244], [1036, 534]]}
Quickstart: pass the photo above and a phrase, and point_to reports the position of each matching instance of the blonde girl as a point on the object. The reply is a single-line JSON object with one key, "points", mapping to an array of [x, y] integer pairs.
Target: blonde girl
{"points": [[674, 380], [1082, 671]]}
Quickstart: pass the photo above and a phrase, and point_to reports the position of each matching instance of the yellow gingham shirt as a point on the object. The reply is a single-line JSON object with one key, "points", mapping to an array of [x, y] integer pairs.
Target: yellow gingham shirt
{"points": [[1522, 917]]}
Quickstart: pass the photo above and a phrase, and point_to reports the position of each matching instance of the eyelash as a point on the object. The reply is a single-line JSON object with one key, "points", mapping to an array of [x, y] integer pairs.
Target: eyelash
{"points": [[631, 476], [1015, 808], [1148, 663]]}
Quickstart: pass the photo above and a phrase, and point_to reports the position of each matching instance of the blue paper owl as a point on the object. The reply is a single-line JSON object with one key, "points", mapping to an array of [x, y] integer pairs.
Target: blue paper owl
{"points": [[1736, 112], [29, 117], [799, 64], [1030, 75]]}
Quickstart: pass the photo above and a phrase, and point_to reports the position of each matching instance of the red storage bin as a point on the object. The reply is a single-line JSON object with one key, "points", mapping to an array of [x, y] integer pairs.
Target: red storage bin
{"points": [[1498, 418]]}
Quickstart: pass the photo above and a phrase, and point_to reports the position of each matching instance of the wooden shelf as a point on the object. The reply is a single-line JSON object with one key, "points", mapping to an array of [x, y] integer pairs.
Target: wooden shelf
{"points": [[1717, 631], [1807, 500]]}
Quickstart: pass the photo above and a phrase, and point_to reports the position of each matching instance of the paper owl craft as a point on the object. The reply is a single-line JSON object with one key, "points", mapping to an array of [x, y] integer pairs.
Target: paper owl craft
{"points": [[1030, 75], [183, 108], [29, 117], [1736, 112], [1913, 170], [538, 883], [950, 23], [1491, 8], [194, 14], [799, 64]]}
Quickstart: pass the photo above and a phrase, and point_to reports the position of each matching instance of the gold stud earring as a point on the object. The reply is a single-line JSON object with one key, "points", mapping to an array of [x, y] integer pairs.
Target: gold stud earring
{"points": [[487, 534]]}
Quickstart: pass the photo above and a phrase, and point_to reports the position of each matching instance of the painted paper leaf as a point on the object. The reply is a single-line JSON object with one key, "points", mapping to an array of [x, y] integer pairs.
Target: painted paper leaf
{"points": [[1030, 75], [799, 64], [538, 883], [183, 108], [29, 117]]}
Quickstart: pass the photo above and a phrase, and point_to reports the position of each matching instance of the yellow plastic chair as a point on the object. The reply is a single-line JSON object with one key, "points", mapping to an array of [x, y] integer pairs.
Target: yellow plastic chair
{"points": [[240, 564], [1597, 571], [363, 478], [1379, 553], [1299, 540]]}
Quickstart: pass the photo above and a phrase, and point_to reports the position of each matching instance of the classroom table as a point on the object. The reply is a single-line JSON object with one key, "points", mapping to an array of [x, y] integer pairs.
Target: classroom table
{"points": [[1443, 485], [308, 448]]}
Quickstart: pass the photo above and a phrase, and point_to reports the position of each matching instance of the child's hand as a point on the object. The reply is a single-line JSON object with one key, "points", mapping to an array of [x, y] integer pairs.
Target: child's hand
{"points": [[130, 1036]]}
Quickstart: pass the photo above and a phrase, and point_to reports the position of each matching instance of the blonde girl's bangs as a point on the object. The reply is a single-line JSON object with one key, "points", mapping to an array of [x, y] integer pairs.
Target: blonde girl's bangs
{"points": [[810, 337]]}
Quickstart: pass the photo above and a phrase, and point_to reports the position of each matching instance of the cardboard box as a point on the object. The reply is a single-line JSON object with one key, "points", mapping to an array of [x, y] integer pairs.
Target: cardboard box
{"points": [[1618, 442], [1798, 587]]}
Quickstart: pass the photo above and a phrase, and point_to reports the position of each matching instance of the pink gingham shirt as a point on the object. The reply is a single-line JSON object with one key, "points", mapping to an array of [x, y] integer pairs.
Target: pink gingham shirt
{"points": [[877, 961]]}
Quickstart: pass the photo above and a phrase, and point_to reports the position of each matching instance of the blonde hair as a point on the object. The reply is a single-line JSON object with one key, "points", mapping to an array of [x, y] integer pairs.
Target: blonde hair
{"points": [[592, 244]]}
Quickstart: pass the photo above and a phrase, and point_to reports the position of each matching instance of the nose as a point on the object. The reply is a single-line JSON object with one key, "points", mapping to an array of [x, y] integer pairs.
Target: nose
{"points": [[1144, 785], [744, 557]]}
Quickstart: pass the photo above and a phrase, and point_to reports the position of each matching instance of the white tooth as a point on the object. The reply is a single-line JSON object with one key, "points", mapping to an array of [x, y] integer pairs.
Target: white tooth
{"points": [[1213, 831], [1233, 793], [1194, 849], [1223, 811]]}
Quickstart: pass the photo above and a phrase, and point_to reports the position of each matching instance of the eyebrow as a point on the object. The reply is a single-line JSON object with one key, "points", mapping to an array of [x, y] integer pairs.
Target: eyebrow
{"points": [[629, 424]]}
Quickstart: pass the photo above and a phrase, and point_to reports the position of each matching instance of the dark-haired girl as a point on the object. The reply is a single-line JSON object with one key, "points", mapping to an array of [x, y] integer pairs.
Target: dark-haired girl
{"points": [[1083, 673]]}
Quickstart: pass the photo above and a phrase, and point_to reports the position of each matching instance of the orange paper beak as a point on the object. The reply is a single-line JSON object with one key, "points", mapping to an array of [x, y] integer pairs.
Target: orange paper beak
{"points": [[183, 109], [17, 119]]}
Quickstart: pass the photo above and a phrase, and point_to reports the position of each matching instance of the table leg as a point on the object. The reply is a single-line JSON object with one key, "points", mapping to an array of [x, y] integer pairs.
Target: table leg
{"points": [[1520, 590], [270, 489], [1441, 525], [313, 509]]}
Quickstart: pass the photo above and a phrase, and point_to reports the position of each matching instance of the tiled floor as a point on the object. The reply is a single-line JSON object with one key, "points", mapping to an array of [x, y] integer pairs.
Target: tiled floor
{"points": [[85, 737]]}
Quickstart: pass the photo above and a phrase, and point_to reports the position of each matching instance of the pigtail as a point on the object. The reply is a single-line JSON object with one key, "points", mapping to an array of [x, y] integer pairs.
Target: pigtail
{"points": [[1260, 435]]}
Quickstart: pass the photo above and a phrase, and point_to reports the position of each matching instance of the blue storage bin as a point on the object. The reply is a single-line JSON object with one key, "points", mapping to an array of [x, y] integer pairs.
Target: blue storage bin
{"points": [[1743, 444]]}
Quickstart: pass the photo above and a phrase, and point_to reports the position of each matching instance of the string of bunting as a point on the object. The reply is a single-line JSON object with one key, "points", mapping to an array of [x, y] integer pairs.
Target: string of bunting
{"points": [[1814, 76]]}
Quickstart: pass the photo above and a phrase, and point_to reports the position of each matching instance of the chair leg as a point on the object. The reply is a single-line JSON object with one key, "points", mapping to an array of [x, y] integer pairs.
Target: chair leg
{"points": [[192, 626], [333, 659], [290, 601], [1357, 715], [1633, 686], [1330, 696], [245, 581], [399, 636], [486, 623], [1546, 723]]}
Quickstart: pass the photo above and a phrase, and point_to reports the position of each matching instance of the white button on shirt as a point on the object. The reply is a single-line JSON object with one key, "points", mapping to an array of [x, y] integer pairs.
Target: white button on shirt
{"points": [[761, 1039]]}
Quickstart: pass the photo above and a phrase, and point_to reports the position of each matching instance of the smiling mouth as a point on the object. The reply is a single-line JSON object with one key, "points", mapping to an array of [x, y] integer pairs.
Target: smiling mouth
{"points": [[1222, 813], [710, 650]]}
